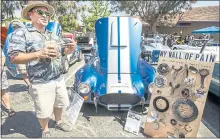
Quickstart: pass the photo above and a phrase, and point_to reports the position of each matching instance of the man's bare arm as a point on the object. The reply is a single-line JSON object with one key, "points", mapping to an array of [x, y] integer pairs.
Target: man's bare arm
{"points": [[23, 58]]}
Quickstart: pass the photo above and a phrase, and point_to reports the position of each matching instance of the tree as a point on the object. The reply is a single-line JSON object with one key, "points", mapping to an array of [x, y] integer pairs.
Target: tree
{"points": [[68, 22], [97, 10], [9, 8], [67, 13], [151, 11]]}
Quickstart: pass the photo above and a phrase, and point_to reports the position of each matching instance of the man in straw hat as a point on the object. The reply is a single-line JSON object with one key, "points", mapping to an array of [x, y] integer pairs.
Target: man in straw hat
{"points": [[41, 51]]}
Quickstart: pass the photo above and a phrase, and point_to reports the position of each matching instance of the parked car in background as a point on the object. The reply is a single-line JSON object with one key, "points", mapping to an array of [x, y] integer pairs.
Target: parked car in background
{"points": [[156, 37], [116, 78], [86, 42], [197, 45], [214, 87], [150, 50]]}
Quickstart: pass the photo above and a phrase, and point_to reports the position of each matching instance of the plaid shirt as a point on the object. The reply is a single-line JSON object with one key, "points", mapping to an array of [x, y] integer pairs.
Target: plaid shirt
{"points": [[28, 40]]}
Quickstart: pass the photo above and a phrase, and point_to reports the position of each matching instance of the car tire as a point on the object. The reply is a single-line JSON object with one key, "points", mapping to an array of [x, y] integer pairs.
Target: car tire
{"points": [[174, 48], [66, 65], [80, 56]]}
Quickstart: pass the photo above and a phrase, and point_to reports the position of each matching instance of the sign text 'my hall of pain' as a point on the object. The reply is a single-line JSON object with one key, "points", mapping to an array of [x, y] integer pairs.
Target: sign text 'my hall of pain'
{"points": [[189, 56]]}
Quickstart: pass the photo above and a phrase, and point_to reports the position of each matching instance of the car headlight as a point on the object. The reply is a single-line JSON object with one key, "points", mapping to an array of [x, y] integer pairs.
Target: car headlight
{"points": [[150, 87], [84, 88]]}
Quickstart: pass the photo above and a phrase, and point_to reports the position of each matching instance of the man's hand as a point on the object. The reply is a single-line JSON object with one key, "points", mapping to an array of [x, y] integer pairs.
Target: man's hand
{"points": [[47, 52], [70, 47]]}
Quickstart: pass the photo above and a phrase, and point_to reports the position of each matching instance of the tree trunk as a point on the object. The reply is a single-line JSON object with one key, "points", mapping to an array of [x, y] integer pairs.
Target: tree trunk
{"points": [[153, 28]]}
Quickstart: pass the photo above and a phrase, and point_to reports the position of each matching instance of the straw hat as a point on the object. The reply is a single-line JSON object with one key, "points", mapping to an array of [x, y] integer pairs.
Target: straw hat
{"points": [[32, 4]]}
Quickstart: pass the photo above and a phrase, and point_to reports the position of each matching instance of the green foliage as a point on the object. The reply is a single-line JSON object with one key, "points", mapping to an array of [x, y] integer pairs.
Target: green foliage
{"points": [[97, 10], [67, 13], [68, 22]]}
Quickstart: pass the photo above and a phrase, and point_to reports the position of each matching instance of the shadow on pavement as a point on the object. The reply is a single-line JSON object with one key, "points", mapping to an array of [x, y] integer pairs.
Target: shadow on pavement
{"points": [[88, 111], [16, 88], [24, 122]]}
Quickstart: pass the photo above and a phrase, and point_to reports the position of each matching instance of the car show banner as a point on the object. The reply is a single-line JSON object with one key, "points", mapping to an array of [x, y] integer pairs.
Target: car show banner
{"points": [[179, 94]]}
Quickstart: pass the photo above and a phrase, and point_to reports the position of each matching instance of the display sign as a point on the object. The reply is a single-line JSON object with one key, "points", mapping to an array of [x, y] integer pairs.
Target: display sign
{"points": [[133, 122], [74, 108], [179, 94]]}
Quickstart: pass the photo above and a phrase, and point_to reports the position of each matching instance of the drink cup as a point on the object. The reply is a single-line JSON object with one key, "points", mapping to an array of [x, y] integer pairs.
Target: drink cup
{"points": [[51, 45]]}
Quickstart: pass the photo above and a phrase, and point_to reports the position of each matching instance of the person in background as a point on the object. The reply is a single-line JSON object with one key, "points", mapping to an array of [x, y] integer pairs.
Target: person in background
{"points": [[42, 51], [16, 24], [5, 99]]}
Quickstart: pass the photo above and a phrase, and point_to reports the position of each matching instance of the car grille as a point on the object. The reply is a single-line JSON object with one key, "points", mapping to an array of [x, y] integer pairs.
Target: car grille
{"points": [[119, 99]]}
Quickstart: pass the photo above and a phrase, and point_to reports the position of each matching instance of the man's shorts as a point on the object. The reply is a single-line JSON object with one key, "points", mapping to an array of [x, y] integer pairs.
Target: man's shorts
{"points": [[22, 68], [4, 82], [48, 95]]}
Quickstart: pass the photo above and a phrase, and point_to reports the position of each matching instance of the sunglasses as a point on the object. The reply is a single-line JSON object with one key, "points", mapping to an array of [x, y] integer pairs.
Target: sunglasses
{"points": [[40, 12]]}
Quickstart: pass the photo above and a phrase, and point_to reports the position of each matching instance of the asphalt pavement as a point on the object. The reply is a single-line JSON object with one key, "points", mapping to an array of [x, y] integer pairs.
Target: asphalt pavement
{"points": [[89, 123]]}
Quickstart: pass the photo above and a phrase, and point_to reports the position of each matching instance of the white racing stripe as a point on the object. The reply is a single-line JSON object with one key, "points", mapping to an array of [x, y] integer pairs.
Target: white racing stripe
{"points": [[112, 80]]}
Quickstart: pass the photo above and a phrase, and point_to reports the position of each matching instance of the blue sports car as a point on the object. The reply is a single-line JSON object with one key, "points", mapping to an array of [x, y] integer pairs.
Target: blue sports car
{"points": [[117, 77]]}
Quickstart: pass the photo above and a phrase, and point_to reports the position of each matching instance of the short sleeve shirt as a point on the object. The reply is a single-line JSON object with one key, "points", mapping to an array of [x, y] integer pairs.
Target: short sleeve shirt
{"points": [[29, 40]]}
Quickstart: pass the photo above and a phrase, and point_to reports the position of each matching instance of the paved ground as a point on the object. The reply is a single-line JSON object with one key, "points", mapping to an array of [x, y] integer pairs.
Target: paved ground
{"points": [[89, 124]]}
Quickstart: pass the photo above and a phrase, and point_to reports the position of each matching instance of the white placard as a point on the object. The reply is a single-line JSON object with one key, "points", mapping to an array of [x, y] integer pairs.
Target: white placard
{"points": [[180, 54], [133, 122], [74, 108]]}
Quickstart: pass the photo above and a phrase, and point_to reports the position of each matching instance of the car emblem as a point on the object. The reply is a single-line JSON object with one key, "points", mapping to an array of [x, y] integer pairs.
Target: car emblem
{"points": [[160, 81], [163, 69], [185, 110], [161, 104]]}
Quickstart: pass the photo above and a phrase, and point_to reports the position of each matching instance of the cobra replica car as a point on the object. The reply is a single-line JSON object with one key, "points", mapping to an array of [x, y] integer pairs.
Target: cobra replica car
{"points": [[117, 77]]}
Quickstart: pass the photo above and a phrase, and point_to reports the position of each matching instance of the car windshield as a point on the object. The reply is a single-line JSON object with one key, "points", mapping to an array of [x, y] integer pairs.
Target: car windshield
{"points": [[149, 41], [145, 47]]}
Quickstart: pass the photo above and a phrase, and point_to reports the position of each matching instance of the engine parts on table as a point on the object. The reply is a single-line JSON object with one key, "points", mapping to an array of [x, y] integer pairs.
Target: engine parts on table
{"points": [[185, 92], [163, 69], [173, 121], [173, 87], [193, 69], [185, 110], [178, 97], [155, 126], [181, 135], [188, 128], [176, 71], [160, 81], [161, 104]]}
